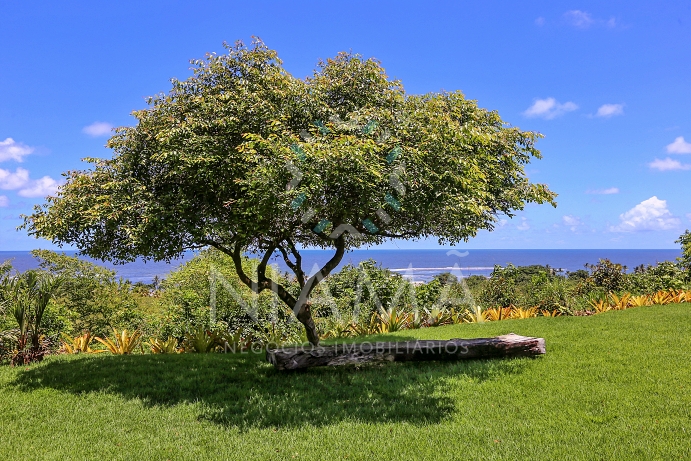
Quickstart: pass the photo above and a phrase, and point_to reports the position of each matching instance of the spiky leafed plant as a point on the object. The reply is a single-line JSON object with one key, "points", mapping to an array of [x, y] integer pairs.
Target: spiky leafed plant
{"points": [[436, 317], [164, 346], [27, 296], [475, 315], [200, 340], [392, 320], [123, 343], [499, 313], [600, 305], [640, 301], [661, 298], [620, 303], [524, 313], [80, 344]]}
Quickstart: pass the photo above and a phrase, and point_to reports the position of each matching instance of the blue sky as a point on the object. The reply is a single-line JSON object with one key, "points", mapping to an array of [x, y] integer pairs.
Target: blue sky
{"points": [[607, 83]]}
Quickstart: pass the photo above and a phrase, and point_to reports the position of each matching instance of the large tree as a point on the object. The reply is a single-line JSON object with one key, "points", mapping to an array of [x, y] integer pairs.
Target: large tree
{"points": [[243, 156]]}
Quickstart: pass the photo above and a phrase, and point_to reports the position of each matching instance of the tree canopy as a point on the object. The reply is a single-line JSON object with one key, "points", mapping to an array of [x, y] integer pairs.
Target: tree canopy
{"points": [[243, 156]]}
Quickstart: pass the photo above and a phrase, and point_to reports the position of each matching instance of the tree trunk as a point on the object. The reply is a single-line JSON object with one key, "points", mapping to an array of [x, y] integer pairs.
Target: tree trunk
{"points": [[305, 317], [511, 345]]}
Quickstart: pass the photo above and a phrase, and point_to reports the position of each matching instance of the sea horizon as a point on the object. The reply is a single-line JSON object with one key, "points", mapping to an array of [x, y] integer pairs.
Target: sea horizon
{"points": [[419, 265]]}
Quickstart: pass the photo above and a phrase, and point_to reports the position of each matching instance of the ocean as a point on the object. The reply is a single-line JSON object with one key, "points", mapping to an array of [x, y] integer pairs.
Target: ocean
{"points": [[418, 265]]}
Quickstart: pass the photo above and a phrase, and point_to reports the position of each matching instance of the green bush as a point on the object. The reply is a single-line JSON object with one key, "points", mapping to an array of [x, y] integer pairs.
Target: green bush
{"points": [[662, 277], [188, 291], [685, 260], [610, 276], [358, 292]]}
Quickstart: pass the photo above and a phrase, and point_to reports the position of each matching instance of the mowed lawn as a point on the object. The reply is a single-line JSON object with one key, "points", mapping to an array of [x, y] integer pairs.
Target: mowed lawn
{"points": [[612, 386]]}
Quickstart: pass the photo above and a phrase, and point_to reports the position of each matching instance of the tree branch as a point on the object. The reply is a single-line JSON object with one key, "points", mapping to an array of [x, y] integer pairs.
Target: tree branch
{"points": [[322, 273], [295, 267], [261, 285], [261, 268]]}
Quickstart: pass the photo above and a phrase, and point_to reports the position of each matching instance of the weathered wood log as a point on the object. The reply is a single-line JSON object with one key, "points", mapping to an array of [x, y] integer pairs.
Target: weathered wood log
{"points": [[511, 345]]}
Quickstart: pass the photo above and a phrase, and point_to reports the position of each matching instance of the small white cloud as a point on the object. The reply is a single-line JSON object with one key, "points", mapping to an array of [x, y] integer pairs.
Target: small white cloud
{"points": [[649, 215], [668, 164], [4, 201], [540, 21], [11, 181], [612, 23], [610, 110], [13, 150], [549, 108], [97, 129], [40, 188], [580, 19], [679, 146], [608, 191], [572, 222], [523, 225]]}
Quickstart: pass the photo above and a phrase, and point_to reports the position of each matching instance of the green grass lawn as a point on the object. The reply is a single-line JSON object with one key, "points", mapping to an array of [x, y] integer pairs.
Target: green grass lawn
{"points": [[611, 386]]}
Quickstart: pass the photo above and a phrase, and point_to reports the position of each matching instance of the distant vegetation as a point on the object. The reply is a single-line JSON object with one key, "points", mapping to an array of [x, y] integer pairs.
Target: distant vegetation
{"points": [[71, 305]]}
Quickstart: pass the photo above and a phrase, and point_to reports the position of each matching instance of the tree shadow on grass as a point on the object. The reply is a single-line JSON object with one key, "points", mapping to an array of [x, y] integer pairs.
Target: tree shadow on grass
{"points": [[244, 391]]}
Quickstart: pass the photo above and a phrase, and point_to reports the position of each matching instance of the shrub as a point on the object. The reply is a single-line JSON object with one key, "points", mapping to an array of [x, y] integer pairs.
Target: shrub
{"points": [[664, 276], [187, 293], [608, 275], [500, 289], [685, 260]]}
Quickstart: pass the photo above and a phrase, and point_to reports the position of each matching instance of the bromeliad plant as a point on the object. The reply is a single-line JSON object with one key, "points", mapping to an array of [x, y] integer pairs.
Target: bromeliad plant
{"points": [[392, 320], [201, 341], [123, 342], [161, 346], [80, 344], [437, 317]]}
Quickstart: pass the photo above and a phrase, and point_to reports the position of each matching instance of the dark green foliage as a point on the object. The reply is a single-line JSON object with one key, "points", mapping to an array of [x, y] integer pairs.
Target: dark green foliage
{"points": [[608, 275], [188, 291], [359, 291], [578, 275], [90, 296], [26, 296], [685, 260], [663, 276]]}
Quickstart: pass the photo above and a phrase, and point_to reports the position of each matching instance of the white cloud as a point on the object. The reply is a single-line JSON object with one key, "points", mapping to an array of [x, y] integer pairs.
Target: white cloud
{"points": [[540, 21], [610, 110], [523, 225], [27, 187], [649, 215], [608, 191], [40, 188], [10, 181], [668, 164], [549, 108], [679, 146], [572, 222], [580, 19], [4, 201], [13, 150], [97, 129]]}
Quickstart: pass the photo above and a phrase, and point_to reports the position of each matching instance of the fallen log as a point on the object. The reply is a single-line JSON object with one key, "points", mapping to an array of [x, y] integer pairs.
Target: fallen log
{"points": [[511, 345]]}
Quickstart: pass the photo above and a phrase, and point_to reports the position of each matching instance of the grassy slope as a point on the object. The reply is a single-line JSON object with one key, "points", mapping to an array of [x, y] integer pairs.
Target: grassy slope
{"points": [[612, 386]]}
